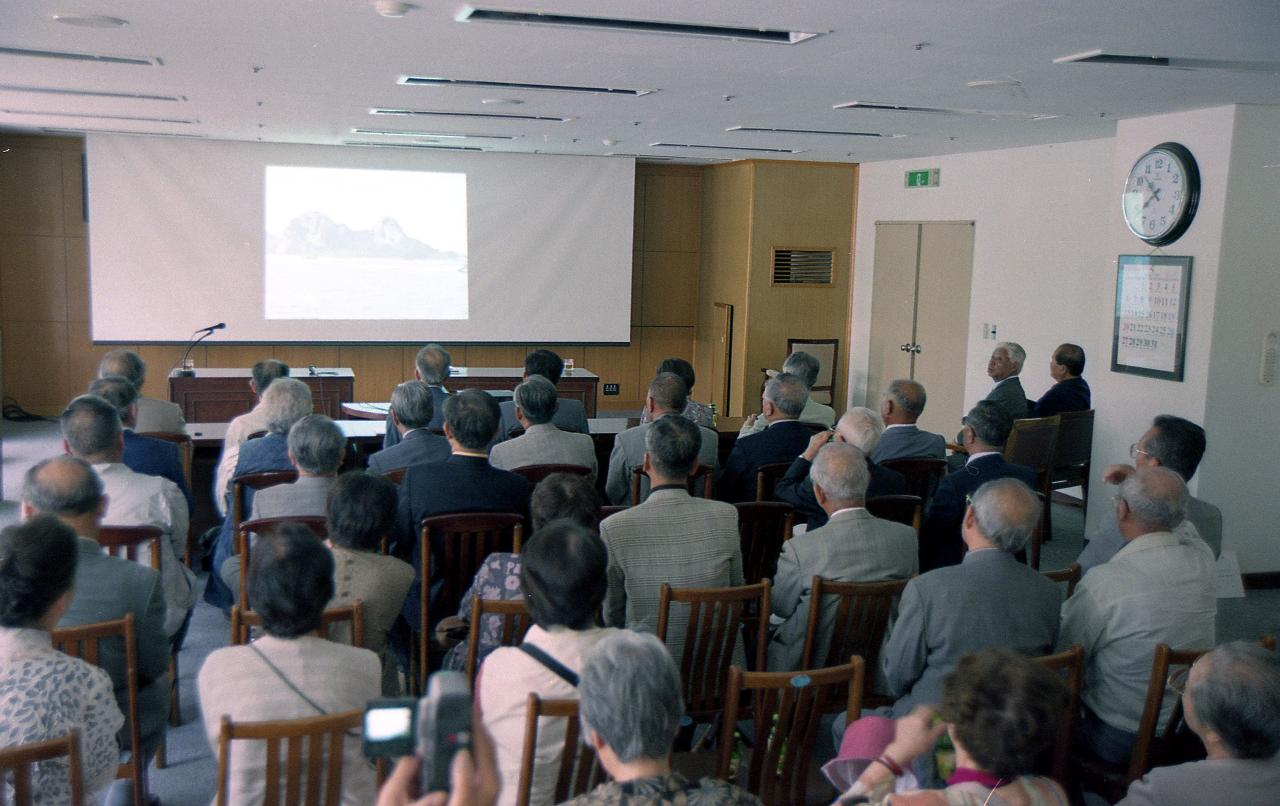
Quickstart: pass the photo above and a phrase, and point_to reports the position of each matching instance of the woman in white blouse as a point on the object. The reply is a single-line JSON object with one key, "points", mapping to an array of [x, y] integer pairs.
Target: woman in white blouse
{"points": [[44, 694]]}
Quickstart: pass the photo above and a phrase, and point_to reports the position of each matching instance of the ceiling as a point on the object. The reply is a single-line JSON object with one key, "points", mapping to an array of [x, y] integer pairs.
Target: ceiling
{"points": [[309, 71]]}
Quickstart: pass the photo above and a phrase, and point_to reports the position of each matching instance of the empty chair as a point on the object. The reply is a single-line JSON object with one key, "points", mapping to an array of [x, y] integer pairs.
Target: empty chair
{"points": [[906, 509], [1070, 664], [767, 476], [1032, 443]]}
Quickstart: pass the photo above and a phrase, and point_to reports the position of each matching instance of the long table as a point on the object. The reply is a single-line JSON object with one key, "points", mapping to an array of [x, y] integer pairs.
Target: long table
{"points": [[220, 394]]}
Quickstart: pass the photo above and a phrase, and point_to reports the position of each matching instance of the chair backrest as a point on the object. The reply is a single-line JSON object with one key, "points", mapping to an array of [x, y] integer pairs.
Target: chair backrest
{"points": [[1075, 440], [185, 448], [124, 542], [783, 750], [767, 476], [1070, 575], [858, 620], [702, 476], [16, 761], [255, 481], [1070, 664], [1146, 748], [763, 526], [513, 617], [905, 509], [536, 473], [343, 624], [396, 476], [310, 764], [266, 526], [1032, 443], [580, 769], [715, 626], [922, 475], [611, 509]]}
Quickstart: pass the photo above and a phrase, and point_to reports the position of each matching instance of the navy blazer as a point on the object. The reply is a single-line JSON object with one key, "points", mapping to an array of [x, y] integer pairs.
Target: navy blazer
{"points": [[156, 457], [940, 541], [782, 441], [796, 488], [417, 447], [438, 397], [1071, 394], [458, 484]]}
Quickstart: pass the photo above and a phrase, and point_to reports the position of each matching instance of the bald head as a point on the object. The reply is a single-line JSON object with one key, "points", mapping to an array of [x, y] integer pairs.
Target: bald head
{"points": [[668, 393], [903, 402], [1003, 513], [861, 427], [64, 486], [1154, 499], [840, 472]]}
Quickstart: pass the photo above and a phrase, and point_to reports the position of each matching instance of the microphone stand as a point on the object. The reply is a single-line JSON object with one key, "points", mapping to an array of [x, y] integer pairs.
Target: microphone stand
{"points": [[183, 372]]}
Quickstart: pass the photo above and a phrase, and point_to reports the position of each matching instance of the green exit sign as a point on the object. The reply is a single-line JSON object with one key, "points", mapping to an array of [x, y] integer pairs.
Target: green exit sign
{"points": [[927, 178]]}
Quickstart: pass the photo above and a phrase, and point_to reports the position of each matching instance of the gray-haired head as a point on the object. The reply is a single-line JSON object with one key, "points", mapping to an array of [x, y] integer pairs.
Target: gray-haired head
{"points": [[907, 395], [536, 398], [432, 363], [119, 392], [673, 444], [316, 444], [1007, 512], [804, 365], [1015, 352], [286, 401], [788, 393], [669, 392], [629, 695], [990, 423], [92, 428], [1238, 697], [841, 471], [1156, 497], [125, 363], [62, 485], [412, 404], [266, 371], [861, 427]]}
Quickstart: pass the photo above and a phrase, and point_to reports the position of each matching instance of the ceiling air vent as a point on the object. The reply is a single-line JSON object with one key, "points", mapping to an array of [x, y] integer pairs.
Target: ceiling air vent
{"points": [[803, 266], [103, 58]]}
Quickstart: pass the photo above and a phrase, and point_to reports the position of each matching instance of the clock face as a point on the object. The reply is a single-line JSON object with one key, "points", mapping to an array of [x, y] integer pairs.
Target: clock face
{"points": [[1161, 194]]}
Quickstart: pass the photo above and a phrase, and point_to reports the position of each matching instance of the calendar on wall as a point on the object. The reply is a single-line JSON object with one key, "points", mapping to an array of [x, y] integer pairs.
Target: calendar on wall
{"points": [[1150, 336]]}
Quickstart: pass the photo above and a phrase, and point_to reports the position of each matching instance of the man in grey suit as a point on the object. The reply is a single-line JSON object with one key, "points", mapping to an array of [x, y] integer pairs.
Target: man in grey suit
{"points": [[988, 600], [852, 547], [1003, 367], [901, 407], [542, 443], [569, 415], [153, 414], [670, 537], [431, 366], [667, 395], [412, 410]]}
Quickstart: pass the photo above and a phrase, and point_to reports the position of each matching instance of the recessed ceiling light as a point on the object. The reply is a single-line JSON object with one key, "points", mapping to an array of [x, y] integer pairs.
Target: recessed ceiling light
{"points": [[56, 130], [439, 135], [773, 130], [479, 115], [746, 33], [432, 81], [501, 101], [371, 144], [394, 9], [90, 21]]}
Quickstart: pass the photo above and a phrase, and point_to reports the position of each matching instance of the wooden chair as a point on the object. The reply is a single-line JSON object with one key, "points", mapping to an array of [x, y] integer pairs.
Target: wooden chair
{"points": [[311, 761], [186, 450], [254, 481], [396, 476], [1111, 780], [85, 642], [905, 509], [243, 546], [1073, 455], [858, 623], [16, 761], [1070, 664], [716, 618], [779, 765], [348, 617], [827, 351], [464, 540], [611, 509], [1070, 575], [514, 615], [1032, 443], [580, 769], [763, 526], [767, 476], [536, 473], [702, 473], [922, 475]]}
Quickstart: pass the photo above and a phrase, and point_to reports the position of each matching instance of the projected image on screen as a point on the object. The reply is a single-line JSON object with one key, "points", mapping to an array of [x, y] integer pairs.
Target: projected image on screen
{"points": [[365, 244]]}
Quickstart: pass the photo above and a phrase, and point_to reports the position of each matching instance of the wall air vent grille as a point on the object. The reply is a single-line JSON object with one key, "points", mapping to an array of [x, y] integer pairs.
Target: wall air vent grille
{"points": [[803, 266]]}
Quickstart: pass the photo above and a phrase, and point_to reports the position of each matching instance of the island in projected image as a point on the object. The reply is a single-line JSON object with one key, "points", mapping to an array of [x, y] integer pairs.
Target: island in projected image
{"points": [[365, 244]]}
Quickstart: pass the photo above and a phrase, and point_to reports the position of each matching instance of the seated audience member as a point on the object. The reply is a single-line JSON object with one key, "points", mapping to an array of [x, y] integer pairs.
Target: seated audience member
{"points": [[243, 426], [569, 415], [360, 512], [290, 672], [44, 694], [630, 707], [1001, 711], [859, 427], [91, 431], [784, 439], [542, 443], [151, 457], [667, 395], [431, 366], [560, 496], [988, 600], [1170, 442], [901, 407], [107, 588], [1231, 700], [153, 414], [805, 367], [669, 537], [986, 427], [852, 546], [412, 410], [563, 579], [1158, 589], [465, 482], [287, 401], [315, 445], [1069, 392], [700, 413], [1003, 367]]}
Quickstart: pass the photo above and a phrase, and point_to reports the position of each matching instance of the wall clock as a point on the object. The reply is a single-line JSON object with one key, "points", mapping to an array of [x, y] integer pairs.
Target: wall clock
{"points": [[1161, 194]]}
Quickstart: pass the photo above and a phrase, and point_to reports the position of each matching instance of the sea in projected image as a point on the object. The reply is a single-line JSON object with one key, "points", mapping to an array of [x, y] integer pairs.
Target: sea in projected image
{"points": [[364, 288]]}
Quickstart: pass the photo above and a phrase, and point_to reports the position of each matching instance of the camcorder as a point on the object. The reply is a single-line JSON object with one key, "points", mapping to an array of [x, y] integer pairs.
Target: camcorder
{"points": [[433, 728]]}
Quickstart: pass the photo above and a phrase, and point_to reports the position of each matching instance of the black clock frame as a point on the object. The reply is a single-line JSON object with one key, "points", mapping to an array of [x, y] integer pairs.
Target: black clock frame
{"points": [[1192, 171]]}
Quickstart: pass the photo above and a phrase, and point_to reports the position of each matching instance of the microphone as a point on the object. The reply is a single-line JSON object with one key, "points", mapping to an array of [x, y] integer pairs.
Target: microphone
{"points": [[204, 333]]}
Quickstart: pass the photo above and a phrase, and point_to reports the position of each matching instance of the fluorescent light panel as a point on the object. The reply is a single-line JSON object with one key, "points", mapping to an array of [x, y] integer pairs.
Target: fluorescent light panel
{"points": [[477, 115], [55, 130], [727, 148], [94, 117], [142, 61], [431, 81], [873, 106], [136, 96], [1169, 62], [373, 144], [635, 26], [439, 135], [773, 130]]}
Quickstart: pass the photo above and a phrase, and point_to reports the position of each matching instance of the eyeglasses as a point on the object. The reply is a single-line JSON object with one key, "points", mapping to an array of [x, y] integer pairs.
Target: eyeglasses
{"points": [[1177, 682], [1134, 450]]}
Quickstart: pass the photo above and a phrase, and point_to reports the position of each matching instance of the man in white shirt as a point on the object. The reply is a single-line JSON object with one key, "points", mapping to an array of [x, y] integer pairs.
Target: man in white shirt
{"points": [[240, 428]]}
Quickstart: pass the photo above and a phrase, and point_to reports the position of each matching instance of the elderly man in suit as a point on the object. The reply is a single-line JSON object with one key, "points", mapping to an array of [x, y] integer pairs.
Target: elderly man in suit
{"points": [[569, 415], [851, 547], [431, 366], [805, 367], [988, 600], [245, 425], [670, 537], [542, 443], [153, 414], [784, 398], [151, 457], [986, 428], [1003, 367], [901, 406], [412, 410], [1069, 392], [667, 395]]}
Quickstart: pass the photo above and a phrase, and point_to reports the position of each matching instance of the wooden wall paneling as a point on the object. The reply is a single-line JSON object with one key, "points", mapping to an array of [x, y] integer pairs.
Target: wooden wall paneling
{"points": [[73, 222], [83, 357], [503, 355], [31, 200], [36, 365], [637, 288], [378, 370], [673, 211], [658, 343], [77, 273], [620, 365], [637, 218], [232, 356], [725, 256], [33, 278], [670, 289], [300, 355], [160, 360]]}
